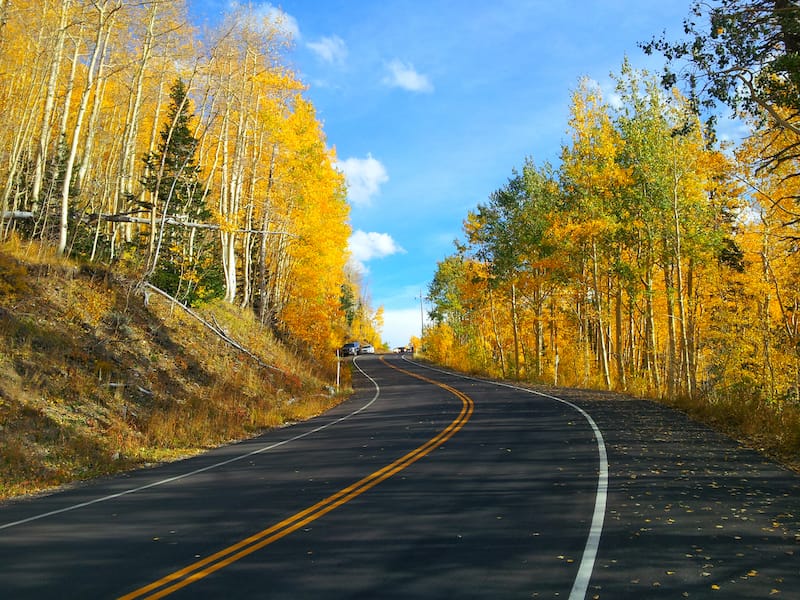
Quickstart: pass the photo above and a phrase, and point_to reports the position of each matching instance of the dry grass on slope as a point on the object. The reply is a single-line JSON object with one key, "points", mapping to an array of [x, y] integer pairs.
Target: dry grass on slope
{"points": [[93, 382]]}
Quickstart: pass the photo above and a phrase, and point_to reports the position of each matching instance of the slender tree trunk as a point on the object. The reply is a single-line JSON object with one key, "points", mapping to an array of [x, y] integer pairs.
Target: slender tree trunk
{"points": [[684, 380], [262, 251], [692, 328], [66, 108], [622, 380], [554, 338], [767, 380], [228, 259], [497, 340], [247, 246], [651, 352], [49, 105], [21, 134], [515, 329], [601, 333], [154, 200], [539, 329], [235, 203], [672, 367], [247, 259], [94, 73], [633, 353], [127, 163]]}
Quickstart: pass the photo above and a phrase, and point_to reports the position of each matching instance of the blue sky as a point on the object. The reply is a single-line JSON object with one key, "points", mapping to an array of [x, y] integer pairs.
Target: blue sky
{"points": [[430, 104]]}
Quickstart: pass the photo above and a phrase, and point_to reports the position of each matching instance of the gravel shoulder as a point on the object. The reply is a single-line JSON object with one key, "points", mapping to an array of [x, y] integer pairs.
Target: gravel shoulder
{"points": [[691, 512]]}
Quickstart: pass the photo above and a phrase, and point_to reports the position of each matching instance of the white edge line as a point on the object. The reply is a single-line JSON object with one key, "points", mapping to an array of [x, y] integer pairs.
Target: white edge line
{"points": [[201, 470], [581, 583]]}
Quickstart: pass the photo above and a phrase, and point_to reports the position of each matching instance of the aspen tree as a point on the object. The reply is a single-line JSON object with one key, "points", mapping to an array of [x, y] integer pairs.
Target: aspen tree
{"points": [[314, 266], [593, 176], [56, 56], [243, 51], [157, 22], [674, 174], [16, 88], [639, 121], [775, 284], [95, 70]]}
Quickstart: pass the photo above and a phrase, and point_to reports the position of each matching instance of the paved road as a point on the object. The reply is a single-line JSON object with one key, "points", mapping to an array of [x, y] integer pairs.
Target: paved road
{"points": [[427, 489]]}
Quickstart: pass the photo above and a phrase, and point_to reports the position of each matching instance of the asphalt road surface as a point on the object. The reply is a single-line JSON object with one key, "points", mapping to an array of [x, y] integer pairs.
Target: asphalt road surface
{"points": [[423, 485]]}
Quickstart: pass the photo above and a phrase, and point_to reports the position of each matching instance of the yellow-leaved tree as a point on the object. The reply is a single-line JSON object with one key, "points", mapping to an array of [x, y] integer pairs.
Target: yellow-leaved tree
{"points": [[307, 296], [595, 180], [108, 103]]}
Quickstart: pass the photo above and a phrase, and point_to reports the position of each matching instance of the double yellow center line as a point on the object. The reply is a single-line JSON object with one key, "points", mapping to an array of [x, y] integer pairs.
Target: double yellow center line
{"points": [[204, 567]]}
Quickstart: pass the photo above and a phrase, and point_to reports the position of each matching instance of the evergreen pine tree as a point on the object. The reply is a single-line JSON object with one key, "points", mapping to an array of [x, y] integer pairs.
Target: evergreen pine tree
{"points": [[172, 176], [172, 173]]}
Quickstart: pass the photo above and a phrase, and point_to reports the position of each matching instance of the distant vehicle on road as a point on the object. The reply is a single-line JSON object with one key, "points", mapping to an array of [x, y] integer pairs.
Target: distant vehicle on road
{"points": [[367, 349], [350, 349]]}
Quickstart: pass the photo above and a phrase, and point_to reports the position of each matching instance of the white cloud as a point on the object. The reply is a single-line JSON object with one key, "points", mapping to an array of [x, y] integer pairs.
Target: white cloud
{"points": [[285, 22], [330, 49], [403, 75], [364, 178], [366, 246]]}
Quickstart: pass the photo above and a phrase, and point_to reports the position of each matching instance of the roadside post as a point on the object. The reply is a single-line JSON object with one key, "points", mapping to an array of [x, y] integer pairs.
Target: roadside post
{"points": [[338, 368]]}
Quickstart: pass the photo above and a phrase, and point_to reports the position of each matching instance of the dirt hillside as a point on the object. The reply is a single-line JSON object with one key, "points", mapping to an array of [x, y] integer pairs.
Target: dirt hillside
{"points": [[94, 381]]}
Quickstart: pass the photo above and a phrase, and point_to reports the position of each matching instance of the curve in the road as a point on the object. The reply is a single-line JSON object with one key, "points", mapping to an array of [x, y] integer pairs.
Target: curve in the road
{"points": [[581, 583], [219, 560], [194, 472]]}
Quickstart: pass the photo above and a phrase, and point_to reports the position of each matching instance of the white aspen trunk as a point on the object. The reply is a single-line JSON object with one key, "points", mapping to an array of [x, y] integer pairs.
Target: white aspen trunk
{"points": [[229, 262], [65, 111], [620, 358], [94, 73], [281, 277], [554, 338], [765, 321], [262, 253], [151, 249], [496, 333], [21, 137], [684, 366], [601, 332], [153, 259], [237, 189], [131, 129], [247, 243], [539, 328], [515, 330], [49, 105], [228, 257], [91, 128], [650, 335], [669, 286], [247, 237], [247, 247], [109, 170]]}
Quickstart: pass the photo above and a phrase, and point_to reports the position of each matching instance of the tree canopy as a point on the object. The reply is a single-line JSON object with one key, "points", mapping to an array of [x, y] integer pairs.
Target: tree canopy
{"points": [[192, 162], [744, 54]]}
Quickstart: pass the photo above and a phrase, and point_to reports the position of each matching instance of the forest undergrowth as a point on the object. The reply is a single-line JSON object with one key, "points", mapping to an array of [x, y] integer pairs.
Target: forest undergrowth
{"points": [[95, 382], [772, 430], [768, 428]]}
